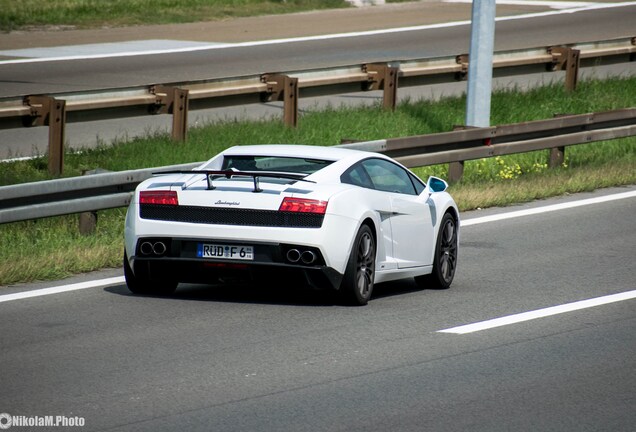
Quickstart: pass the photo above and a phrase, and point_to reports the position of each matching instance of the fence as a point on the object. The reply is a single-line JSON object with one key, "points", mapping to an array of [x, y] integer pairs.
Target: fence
{"points": [[110, 190], [177, 99]]}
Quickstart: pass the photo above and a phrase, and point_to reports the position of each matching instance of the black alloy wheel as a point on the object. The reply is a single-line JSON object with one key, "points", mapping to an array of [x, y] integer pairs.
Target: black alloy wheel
{"points": [[357, 284], [445, 260]]}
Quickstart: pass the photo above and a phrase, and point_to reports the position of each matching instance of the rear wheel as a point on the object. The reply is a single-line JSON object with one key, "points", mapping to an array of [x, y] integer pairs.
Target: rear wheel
{"points": [[357, 284], [140, 282], [445, 260]]}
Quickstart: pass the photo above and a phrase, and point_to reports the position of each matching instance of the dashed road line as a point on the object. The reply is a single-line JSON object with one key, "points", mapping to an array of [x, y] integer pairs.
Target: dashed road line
{"points": [[547, 209], [540, 313], [100, 283]]}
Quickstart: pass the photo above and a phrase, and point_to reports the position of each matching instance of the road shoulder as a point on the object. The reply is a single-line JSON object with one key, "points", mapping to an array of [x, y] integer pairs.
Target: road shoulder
{"points": [[395, 15]]}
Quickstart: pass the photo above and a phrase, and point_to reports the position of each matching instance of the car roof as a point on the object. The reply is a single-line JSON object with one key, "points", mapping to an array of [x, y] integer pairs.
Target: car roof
{"points": [[296, 150]]}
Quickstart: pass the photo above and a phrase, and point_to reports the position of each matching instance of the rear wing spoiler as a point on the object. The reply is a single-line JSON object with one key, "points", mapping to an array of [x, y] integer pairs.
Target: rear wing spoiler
{"points": [[211, 175]]}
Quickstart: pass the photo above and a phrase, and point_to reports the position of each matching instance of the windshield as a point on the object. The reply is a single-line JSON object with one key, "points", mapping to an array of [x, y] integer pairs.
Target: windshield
{"points": [[274, 163]]}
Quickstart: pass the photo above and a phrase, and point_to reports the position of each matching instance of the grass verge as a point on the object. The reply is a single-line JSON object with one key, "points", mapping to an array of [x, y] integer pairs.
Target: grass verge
{"points": [[53, 248], [15, 15]]}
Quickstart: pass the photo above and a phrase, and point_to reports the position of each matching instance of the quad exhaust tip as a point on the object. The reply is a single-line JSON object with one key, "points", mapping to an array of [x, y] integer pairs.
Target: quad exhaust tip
{"points": [[306, 257], [293, 255], [157, 248]]}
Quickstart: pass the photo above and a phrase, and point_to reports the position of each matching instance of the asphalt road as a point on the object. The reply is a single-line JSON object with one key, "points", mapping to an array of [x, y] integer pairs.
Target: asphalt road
{"points": [[77, 75], [259, 358]]}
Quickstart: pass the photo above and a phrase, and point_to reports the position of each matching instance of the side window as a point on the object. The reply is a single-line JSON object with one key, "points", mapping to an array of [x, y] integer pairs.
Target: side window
{"points": [[419, 186], [357, 176], [388, 177]]}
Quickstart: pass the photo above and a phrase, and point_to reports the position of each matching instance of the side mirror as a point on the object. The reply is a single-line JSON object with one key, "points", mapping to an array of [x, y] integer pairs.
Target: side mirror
{"points": [[436, 184]]}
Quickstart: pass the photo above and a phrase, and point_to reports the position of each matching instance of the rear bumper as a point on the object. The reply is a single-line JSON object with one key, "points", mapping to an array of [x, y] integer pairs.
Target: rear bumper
{"points": [[333, 239], [177, 259]]}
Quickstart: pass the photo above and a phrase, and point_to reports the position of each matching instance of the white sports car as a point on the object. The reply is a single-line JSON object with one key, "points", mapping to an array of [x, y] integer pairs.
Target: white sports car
{"points": [[337, 218]]}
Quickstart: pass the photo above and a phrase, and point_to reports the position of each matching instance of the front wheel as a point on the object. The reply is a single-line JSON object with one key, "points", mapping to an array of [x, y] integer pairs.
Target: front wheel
{"points": [[357, 284], [139, 282], [445, 260]]}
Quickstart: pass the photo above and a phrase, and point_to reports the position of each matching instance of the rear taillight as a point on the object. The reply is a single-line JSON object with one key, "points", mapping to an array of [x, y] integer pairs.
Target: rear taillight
{"points": [[303, 205], [161, 197]]}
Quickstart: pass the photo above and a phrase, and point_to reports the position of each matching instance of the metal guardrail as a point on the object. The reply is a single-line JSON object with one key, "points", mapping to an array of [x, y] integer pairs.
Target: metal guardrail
{"points": [[75, 194], [178, 98], [115, 189]]}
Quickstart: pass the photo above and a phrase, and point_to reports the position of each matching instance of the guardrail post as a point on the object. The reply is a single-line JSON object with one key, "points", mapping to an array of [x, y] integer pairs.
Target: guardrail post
{"points": [[87, 223], [290, 102], [88, 220], [383, 77], [173, 100], [462, 60], [51, 112], [557, 157], [283, 88], [569, 60], [455, 171], [180, 115]]}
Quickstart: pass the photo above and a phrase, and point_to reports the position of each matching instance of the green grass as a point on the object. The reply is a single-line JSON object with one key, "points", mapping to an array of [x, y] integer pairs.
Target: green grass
{"points": [[53, 248], [18, 14], [330, 126]]}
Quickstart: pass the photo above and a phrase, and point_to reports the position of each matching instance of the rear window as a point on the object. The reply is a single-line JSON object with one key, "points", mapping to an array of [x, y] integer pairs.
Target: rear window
{"points": [[274, 163]]}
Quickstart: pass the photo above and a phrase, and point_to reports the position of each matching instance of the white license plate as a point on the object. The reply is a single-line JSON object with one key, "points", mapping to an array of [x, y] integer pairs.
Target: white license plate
{"points": [[220, 251]]}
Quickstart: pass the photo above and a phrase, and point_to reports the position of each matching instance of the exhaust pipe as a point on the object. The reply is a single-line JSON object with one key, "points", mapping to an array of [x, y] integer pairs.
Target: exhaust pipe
{"points": [[293, 255], [159, 248], [308, 257], [146, 248]]}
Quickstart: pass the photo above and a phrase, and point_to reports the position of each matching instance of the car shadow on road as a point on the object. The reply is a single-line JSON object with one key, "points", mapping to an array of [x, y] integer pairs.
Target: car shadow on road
{"points": [[252, 293], [243, 293]]}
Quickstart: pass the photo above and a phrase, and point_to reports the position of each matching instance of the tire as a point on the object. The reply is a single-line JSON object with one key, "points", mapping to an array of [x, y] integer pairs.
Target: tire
{"points": [[357, 284], [445, 260], [139, 282]]}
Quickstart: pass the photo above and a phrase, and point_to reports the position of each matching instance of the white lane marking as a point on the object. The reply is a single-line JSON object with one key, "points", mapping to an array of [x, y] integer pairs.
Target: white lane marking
{"points": [[118, 280], [547, 209], [107, 48], [316, 38], [540, 313], [18, 159]]}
